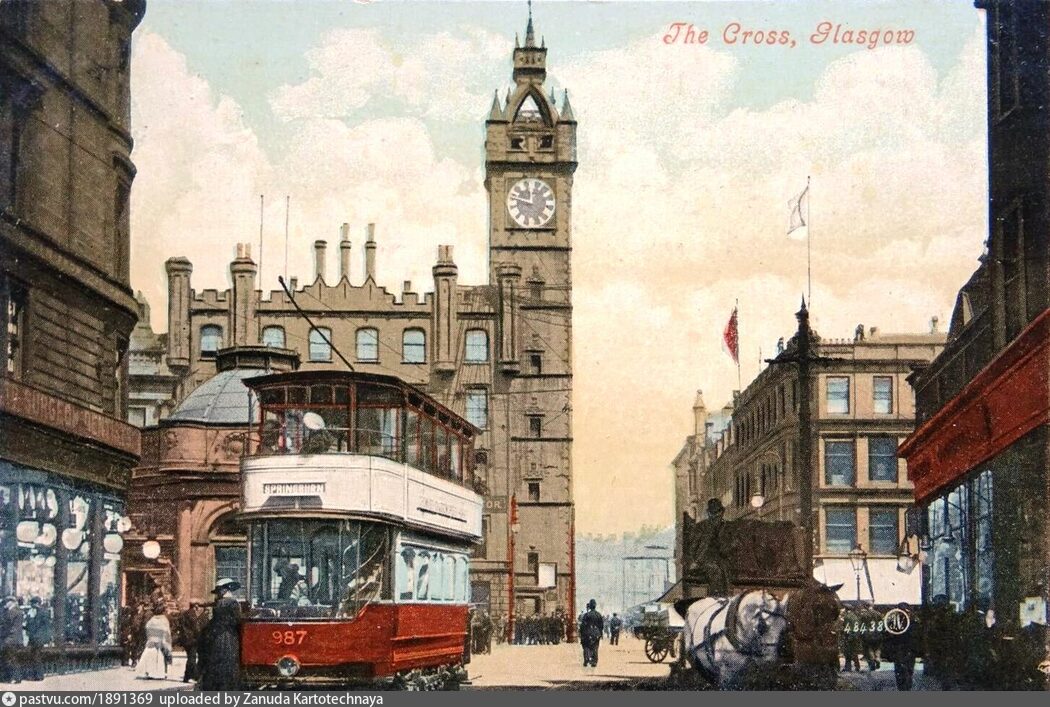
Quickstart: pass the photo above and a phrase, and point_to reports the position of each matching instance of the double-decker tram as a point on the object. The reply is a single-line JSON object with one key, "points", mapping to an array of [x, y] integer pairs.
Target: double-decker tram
{"points": [[360, 522]]}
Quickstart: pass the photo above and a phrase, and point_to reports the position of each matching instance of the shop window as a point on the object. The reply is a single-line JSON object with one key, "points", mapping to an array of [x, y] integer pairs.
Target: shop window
{"points": [[414, 346], [15, 299], [839, 462], [840, 529], [367, 344], [837, 395], [882, 458], [478, 408], [883, 395], [273, 336], [211, 340], [231, 562], [477, 346], [320, 344], [883, 536]]}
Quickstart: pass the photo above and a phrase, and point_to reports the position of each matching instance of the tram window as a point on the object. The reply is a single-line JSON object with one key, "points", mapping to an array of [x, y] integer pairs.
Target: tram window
{"points": [[426, 435], [456, 457], [377, 432], [463, 578], [412, 439], [271, 396], [449, 571], [317, 569], [296, 394], [441, 446], [406, 570], [321, 394], [436, 572], [423, 576]]}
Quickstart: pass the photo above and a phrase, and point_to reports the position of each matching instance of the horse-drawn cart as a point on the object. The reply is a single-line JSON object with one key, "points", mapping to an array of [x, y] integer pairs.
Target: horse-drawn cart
{"points": [[753, 618], [660, 631]]}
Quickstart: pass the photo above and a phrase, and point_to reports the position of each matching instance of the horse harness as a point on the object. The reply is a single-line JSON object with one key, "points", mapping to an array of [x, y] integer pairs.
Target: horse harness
{"points": [[732, 608]]}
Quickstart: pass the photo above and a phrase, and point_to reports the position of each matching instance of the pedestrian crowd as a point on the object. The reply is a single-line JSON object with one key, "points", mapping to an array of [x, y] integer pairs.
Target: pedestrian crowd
{"points": [[968, 650], [212, 644], [540, 629]]}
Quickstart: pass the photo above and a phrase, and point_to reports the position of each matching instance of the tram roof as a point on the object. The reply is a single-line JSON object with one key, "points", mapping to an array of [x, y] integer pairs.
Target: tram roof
{"points": [[328, 376]]}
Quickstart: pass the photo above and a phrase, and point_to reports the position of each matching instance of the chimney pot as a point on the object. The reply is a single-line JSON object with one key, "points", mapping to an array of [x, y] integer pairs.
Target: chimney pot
{"points": [[934, 322], [293, 283], [344, 232], [407, 287], [370, 253], [319, 250]]}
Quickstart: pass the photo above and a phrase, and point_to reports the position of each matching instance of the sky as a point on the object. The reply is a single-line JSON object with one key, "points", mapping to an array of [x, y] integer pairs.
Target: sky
{"points": [[688, 156]]}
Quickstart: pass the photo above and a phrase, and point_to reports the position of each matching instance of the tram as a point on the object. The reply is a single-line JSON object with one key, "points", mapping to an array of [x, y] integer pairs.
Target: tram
{"points": [[358, 501]]}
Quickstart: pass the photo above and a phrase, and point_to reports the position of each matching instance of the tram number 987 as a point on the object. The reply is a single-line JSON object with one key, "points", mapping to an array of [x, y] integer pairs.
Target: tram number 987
{"points": [[289, 638]]}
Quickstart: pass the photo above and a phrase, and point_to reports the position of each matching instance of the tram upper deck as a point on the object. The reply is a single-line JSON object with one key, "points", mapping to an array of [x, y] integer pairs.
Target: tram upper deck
{"points": [[360, 444]]}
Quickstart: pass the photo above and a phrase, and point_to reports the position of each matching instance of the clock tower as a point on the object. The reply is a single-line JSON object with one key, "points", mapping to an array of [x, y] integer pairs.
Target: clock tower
{"points": [[530, 158]]}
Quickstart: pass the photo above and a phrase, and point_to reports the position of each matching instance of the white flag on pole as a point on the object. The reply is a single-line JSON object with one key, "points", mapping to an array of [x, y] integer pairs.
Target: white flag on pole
{"points": [[799, 213]]}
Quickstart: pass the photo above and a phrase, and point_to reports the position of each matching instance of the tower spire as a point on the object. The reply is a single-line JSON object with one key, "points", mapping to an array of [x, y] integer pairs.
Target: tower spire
{"points": [[530, 36]]}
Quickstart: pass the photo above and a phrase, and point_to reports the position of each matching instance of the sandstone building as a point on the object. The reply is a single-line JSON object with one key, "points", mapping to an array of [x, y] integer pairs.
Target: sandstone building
{"points": [[862, 408], [65, 450]]}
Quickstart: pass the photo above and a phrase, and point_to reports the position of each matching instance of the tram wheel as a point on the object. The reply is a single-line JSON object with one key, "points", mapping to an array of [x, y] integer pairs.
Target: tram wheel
{"points": [[656, 651]]}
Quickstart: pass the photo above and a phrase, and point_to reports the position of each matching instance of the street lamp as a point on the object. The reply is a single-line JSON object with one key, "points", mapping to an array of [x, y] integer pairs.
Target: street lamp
{"points": [[757, 500], [857, 558]]}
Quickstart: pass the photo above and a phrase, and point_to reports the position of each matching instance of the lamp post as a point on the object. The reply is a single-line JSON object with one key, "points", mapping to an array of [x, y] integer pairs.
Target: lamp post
{"points": [[512, 531], [857, 558]]}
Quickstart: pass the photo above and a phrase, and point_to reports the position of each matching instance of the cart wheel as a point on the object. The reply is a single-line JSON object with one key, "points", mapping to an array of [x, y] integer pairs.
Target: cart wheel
{"points": [[655, 650]]}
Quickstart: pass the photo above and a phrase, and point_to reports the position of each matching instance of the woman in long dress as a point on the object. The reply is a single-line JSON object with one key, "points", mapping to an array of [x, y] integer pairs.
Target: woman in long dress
{"points": [[156, 657], [220, 650]]}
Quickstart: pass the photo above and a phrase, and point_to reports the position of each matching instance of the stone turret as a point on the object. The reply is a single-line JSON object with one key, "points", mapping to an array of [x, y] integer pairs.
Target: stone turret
{"points": [[700, 418], [242, 312], [444, 312], [344, 252], [370, 253], [179, 294]]}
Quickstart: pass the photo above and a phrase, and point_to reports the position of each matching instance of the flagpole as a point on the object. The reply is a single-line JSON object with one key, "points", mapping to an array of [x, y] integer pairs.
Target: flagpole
{"points": [[809, 245]]}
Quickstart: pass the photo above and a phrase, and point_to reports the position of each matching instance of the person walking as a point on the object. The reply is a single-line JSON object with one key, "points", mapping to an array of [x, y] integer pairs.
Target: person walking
{"points": [[156, 656], [220, 647], [615, 625], [903, 648], [10, 641], [591, 629], [190, 626], [38, 631]]}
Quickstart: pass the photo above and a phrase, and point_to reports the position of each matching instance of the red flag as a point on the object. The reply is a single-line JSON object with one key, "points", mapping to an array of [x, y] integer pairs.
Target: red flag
{"points": [[731, 338]]}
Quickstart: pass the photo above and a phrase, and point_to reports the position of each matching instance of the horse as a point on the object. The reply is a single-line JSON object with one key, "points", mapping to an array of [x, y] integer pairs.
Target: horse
{"points": [[731, 640]]}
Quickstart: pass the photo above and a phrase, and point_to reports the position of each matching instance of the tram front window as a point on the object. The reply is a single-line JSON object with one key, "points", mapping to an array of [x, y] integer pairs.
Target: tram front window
{"points": [[317, 568]]}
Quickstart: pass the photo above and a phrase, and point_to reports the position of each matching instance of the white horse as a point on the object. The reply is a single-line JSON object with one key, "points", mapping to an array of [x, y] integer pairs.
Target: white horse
{"points": [[723, 636]]}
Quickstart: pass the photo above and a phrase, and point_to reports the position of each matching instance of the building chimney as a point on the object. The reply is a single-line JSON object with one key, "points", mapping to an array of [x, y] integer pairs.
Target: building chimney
{"points": [[344, 252], [319, 248], [872, 331], [934, 323], [370, 253], [293, 283]]}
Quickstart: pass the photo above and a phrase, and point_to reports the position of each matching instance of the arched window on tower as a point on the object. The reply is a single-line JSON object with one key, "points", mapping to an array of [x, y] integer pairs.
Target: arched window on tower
{"points": [[273, 336], [529, 111], [211, 340]]}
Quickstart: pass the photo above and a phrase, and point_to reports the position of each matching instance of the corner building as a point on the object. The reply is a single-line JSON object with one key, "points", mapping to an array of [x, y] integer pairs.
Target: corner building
{"points": [[499, 354], [65, 451]]}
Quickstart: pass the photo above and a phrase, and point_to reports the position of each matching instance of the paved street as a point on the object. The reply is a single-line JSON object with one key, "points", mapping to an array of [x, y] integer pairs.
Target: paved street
{"points": [[122, 678], [622, 667], [561, 667]]}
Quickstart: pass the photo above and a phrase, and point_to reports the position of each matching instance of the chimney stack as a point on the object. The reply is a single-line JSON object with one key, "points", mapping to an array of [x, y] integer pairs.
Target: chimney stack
{"points": [[293, 283], [934, 322], [344, 251], [370, 253], [319, 249]]}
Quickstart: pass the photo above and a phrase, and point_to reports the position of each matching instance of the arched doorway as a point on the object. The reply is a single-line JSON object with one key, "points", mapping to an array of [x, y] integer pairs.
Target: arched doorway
{"points": [[229, 543]]}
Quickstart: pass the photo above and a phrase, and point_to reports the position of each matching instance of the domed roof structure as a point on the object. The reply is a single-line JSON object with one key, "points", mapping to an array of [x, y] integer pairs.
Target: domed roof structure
{"points": [[221, 400]]}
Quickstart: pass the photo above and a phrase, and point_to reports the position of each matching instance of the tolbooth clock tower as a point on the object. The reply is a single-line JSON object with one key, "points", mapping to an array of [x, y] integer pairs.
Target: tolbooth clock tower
{"points": [[530, 158]]}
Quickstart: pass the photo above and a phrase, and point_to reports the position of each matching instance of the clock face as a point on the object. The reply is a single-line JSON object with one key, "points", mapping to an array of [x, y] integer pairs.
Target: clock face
{"points": [[531, 203]]}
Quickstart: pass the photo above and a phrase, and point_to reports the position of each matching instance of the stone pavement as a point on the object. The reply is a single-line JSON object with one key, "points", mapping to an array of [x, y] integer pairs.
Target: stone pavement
{"points": [[122, 678]]}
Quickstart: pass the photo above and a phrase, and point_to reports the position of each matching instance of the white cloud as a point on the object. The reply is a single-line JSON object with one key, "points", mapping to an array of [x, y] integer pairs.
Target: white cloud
{"points": [[680, 206]]}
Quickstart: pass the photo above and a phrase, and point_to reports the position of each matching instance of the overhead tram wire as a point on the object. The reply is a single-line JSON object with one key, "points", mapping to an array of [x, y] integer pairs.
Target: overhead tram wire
{"points": [[313, 327]]}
